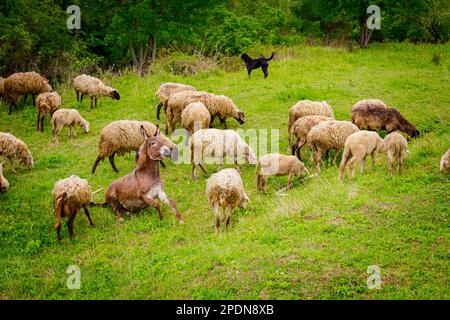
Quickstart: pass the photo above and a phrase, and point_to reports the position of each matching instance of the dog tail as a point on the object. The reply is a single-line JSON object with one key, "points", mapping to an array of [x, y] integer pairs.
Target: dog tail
{"points": [[271, 57]]}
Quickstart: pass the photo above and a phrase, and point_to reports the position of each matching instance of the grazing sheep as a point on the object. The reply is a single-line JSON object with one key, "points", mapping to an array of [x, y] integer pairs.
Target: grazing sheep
{"points": [[359, 145], [373, 114], [329, 135], [300, 130], [308, 108], [167, 89], [2, 89], [46, 102], [225, 189], [94, 88], [4, 184], [69, 196], [218, 106], [13, 148], [123, 136], [278, 165], [195, 116], [67, 118], [218, 144], [24, 83], [396, 148], [143, 186], [445, 162]]}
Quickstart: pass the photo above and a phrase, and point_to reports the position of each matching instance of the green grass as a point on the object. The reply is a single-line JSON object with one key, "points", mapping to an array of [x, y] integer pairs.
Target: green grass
{"points": [[313, 242]]}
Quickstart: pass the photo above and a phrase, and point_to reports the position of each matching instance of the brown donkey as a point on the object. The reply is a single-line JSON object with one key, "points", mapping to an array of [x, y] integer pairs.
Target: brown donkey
{"points": [[142, 187]]}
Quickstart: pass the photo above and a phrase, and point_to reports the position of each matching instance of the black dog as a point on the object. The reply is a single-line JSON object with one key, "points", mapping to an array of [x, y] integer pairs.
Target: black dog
{"points": [[260, 62]]}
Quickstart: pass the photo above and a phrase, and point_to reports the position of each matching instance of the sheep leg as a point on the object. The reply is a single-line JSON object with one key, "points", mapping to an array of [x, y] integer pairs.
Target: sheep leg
{"points": [[113, 165], [351, 167], [374, 156], [400, 166], [42, 123], [158, 110], [11, 163], [224, 122], [96, 163], [68, 132], [74, 129], [211, 121], [216, 217], [203, 169], [318, 159], [78, 95], [228, 220], [335, 157], [38, 118], [95, 102], [70, 226], [92, 102], [363, 164], [86, 211], [194, 172], [289, 185], [81, 98], [58, 227], [56, 131], [33, 97]]}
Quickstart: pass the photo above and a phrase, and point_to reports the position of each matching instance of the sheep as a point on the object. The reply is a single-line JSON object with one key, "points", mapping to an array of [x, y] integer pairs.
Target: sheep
{"points": [[195, 116], [69, 196], [373, 114], [94, 88], [167, 89], [308, 108], [278, 165], [396, 148], [329, 135], [45, 103], [225, 189], [359, 145], [2, 89], [218, 143], [67, 118], [445, 162], [218, 106], [300, 130], [13, 148], [24, 83], [4, 184], [123, 136]]}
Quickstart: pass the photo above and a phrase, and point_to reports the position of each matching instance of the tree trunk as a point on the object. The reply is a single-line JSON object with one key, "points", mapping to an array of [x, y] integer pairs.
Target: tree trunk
{"points": [[153, 49]]}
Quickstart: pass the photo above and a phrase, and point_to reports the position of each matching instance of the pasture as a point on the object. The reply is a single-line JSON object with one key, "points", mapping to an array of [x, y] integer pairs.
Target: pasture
{"points": [[315, 241]]}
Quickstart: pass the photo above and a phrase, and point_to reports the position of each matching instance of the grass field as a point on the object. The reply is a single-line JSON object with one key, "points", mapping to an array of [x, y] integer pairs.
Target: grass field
{"points": [[315, 241]]}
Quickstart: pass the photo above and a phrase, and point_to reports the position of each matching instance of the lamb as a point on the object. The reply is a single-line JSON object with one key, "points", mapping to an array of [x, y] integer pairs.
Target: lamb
{"points": [[67, 118], [24, 83], [69, 196], [123, 136], [45, 103], [445, 162], [218, 144], [4, 184], [308, 108], [300, 130], [195, 116], [396, 148], [359, 145], [329, 135], [13, 148], [94, 88], [218, 106], [225, 189], [374, 115], [2, 89], [278, 165], [167, 89]]}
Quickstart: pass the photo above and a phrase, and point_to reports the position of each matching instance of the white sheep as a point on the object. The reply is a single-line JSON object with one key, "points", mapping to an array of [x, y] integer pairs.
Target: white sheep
{"points": [[396, 147], [225, 190], [195, 116], [67, 118], [445, 162], [329, 135], [46, 102], [94, 88], [218, 144], [69, 196], [13, 148], [278, 165], [308, 108], [124, 136], [167, 89], [4, 184], [359, 145]]}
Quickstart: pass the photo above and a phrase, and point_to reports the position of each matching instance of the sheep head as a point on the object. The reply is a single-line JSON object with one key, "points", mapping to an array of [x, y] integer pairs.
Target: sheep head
{"points": [[115, 95], [85, 125], [240, 117]]}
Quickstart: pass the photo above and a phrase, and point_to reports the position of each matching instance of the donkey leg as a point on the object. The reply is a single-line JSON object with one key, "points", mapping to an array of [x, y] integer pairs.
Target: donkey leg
{"points": [[164, 198]]}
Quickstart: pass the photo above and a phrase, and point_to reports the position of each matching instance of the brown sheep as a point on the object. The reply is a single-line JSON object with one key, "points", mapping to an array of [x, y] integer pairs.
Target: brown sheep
{"points": [[46, 102], [369, 115]]}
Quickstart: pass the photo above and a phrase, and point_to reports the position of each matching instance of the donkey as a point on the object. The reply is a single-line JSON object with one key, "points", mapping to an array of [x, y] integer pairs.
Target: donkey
{"points": [[142, 187]]}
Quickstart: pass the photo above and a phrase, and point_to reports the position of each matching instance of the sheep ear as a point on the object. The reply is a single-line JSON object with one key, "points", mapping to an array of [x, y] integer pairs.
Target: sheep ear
{"points": [[158, 131], [144, 133]]}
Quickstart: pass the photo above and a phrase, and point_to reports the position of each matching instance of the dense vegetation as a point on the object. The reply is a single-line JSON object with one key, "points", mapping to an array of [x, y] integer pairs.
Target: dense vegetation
{"points": [[122, 33], [315, 241]]}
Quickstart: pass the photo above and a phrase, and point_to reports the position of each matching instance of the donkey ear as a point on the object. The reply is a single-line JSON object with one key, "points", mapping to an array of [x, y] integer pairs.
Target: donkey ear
{"points": [[157, 131], [144, 133]]}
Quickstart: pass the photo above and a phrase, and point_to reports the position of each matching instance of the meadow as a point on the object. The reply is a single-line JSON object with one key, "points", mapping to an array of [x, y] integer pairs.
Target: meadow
{"points": [[314, 241]]}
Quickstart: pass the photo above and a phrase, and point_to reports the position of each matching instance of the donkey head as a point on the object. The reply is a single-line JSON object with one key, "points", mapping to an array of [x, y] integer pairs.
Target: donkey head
{"points": [[154, 145]]}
